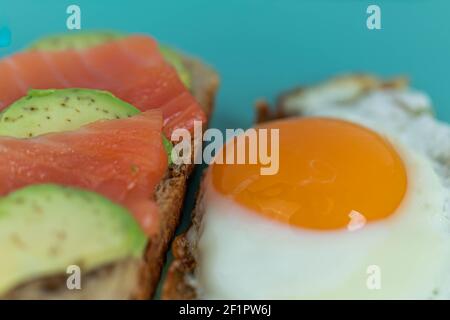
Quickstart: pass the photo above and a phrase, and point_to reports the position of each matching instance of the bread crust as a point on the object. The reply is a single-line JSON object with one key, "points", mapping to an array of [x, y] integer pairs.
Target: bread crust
{"points": [[172, 189], [138, 278], [178, 284]]}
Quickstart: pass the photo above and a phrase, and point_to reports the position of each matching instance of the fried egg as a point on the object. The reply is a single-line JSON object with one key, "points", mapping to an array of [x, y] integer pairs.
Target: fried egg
{"points": [[358, 209]]}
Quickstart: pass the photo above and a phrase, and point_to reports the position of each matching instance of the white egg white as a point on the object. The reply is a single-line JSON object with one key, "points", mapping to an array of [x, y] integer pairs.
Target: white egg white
{"points": [[242, 255]]}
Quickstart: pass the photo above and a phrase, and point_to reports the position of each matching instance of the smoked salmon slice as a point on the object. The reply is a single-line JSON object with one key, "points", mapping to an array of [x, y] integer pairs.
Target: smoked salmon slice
{"points": [[131, 68], [123, 160]]}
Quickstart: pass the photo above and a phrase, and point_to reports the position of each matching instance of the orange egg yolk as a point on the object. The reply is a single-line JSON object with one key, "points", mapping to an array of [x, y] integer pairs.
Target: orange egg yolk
{"points": [[328, 168]]}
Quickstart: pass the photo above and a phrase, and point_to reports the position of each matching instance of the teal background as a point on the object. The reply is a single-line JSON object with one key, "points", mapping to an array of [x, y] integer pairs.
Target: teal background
{"points": [[262, 47]]}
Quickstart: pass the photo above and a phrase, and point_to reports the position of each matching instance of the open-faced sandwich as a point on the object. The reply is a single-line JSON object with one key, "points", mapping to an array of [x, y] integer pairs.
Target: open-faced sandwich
{"points": [[86, 180], [358, 209]]}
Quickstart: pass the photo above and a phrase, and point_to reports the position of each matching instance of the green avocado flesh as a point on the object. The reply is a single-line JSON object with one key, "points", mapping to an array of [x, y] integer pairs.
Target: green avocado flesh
{"points": [[77, 40], [174, 59], [83, 40], [168, 147], [44, 111], [57, 110], [46, 228]]}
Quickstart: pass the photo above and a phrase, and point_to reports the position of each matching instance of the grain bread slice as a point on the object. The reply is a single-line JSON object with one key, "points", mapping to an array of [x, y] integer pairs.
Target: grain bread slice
{"points": [[180, 283], [136, 278]]}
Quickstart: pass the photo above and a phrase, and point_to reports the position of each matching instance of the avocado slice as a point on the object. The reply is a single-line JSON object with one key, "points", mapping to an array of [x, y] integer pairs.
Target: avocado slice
{"points": [[82, 40], [75, 40], [46, 228], [44, 111], [56, 110], [168, 147], [174, 59]]}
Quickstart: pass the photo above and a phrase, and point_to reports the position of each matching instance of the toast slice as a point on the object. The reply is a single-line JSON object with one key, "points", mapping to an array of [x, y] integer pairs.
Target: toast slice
{"points": [[180, 283], [136, 278]]}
